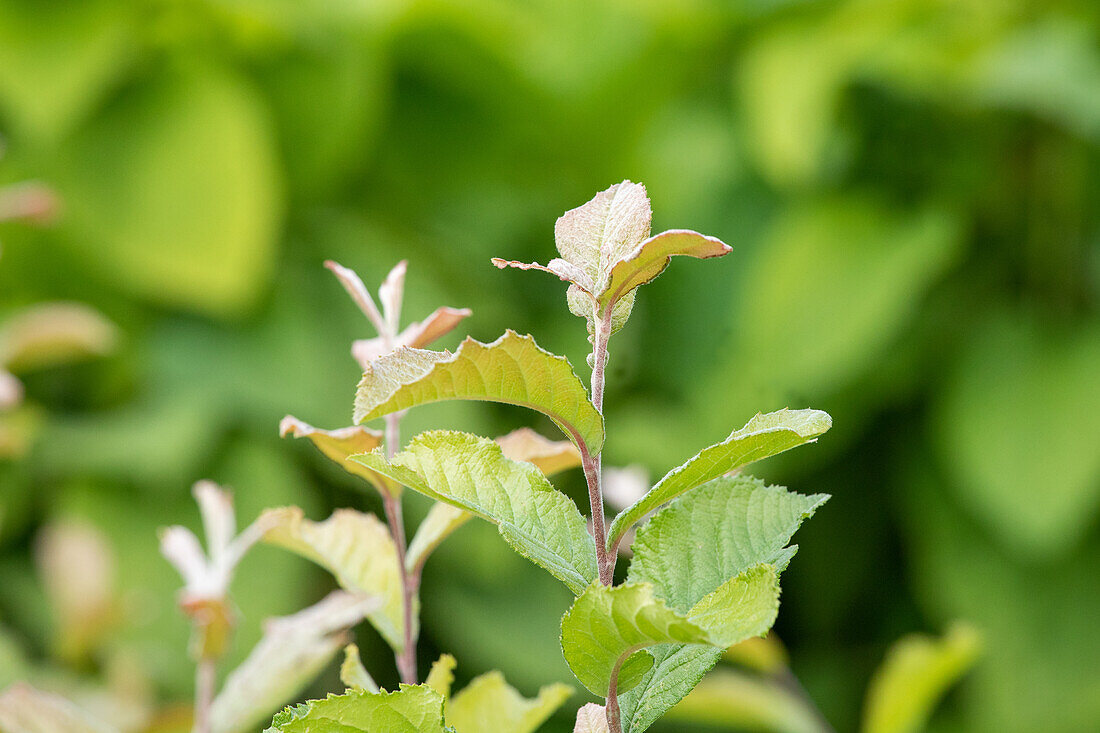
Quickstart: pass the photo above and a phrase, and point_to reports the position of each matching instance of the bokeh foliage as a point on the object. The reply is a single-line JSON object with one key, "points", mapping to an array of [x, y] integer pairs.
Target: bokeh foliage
{"points": [[910, 187]]}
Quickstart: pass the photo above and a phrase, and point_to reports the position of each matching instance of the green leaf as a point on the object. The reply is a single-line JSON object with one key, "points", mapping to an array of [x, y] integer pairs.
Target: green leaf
{"points": [[358, 550], [917, 671], [471, 473], [412, 709], [606, 252], [512, 369], [605, 632], [743, 523], [352, 672], [524, 444], [441, 676], [734, 700], [764, 435], [591, 718], [23, 709], [174, 192], [292, 652], [339, 444], [47, 334], [489, 703]]}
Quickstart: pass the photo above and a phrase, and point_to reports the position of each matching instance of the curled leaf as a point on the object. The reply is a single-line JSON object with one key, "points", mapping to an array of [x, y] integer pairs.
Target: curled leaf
{"points": [[549, 456], [416, 335], [512, 369], [339, 444]]}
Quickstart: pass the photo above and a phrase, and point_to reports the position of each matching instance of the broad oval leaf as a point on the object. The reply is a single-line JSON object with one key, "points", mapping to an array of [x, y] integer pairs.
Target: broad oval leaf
{"points": [[512, 369], [411, 709], [605, 631], [339, 444], [489, 703], [917, 671], [472, 473], [763, 436], [358, 550]]}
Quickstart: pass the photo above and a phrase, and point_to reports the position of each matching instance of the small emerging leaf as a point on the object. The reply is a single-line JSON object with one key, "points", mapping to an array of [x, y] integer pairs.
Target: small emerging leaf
{"points": [[512, 369], [606, 252], [471, 473], [763, 436], [416, 335], [412, 709], [917, 671], [352, 672], [357, 549], [338, 444], [489, 703], [591, 718], [442, 675], [605, 631]]}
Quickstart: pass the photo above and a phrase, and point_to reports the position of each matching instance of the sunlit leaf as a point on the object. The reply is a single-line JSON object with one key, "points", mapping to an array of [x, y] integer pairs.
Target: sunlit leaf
{"points": [[471, 473], [762, 436], [512, 369], [605, 633], [916, 673], [293, 650], [411, 709], [339, 444], [489, 703], [442, 675], [549, 456], [357, 549]]}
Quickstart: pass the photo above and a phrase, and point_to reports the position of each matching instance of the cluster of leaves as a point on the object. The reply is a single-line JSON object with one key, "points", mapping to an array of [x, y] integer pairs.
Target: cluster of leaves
{"points": [[912, 184]]}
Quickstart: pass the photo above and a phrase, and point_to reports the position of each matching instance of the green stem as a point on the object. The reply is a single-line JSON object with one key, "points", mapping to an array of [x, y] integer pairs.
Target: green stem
{"points": [[406, 659]]}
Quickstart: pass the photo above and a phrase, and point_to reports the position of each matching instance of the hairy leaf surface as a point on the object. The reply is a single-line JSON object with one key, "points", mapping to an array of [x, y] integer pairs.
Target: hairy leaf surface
{"points": [[591, 718], [411, 709], [512, 369], [763, 436], [358, 550], [472, 473], [605, 632]]}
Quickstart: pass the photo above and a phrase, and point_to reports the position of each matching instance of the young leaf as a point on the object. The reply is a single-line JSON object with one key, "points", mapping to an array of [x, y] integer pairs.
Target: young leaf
{"points": [[917, 671], [471, 473], [338, 444], [412, 709], [762, 436], [591, 718], [512, 369], [489, 703], [524, 444], [352, 672], [54, 333], [743, 523], [604, 633], [442, 675], [416, 335], [293, 650], [606, 252], [357, 549], [24, 709], [735, 700]]}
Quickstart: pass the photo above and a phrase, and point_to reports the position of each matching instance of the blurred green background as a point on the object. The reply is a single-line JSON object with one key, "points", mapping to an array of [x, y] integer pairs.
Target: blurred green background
{"points": [[911, 189]]}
